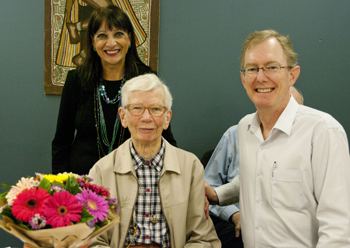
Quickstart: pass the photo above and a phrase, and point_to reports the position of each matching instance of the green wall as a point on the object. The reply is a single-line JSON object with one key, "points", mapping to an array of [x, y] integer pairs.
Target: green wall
{"points": [[200, 43]]}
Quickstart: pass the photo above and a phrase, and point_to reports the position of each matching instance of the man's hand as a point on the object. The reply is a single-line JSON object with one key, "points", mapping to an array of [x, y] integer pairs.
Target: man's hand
{"points": [[237, 222], [211, 194]]}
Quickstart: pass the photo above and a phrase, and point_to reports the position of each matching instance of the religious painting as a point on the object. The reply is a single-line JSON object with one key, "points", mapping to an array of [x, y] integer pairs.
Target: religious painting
{"points": [[65, 25]]}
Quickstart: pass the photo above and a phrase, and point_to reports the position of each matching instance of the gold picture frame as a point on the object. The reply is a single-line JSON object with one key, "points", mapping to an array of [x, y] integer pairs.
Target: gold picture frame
{"points": [[60, 47]]}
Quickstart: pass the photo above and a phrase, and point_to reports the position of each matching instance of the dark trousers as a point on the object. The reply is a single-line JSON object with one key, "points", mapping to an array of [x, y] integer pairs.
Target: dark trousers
{"points": [[226, 233]]}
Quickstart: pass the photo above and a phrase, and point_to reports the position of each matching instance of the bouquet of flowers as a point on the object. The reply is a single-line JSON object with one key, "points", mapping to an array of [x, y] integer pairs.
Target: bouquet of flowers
{"points": [[64, 210]]}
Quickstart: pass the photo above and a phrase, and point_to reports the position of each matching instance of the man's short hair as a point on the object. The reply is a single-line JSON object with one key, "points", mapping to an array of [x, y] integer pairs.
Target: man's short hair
{"points": [[258, 37], [146, 82]]}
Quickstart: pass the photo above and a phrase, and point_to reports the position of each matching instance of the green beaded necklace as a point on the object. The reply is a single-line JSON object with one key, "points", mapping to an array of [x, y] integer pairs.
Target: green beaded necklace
{"points": [[100, 124]]}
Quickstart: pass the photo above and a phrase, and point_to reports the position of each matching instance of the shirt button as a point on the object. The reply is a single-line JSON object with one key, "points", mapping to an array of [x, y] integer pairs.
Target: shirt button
{"points": [[147, 237], [147, 215], [148, 190], [147, 162], [258, 201], [257, 227]]}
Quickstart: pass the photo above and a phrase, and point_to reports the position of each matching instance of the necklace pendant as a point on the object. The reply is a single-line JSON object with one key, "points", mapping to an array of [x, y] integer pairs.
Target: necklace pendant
{"points": [[154, 219]]}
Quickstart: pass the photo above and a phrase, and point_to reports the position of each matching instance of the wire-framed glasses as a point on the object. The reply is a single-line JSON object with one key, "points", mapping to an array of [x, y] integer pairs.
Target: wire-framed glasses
{"points": [[139, 109], [268, 70]]}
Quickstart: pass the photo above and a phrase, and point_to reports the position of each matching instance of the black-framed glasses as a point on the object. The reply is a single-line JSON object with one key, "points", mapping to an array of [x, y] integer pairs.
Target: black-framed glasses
{"points": [[139, 109], [269, 69]]}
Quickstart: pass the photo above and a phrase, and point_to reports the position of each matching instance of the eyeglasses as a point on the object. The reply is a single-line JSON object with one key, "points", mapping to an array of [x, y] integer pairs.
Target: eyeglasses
{"points": [[138, 109], [269, 69]]}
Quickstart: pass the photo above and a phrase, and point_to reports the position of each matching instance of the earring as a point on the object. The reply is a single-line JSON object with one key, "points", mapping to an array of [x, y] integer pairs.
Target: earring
{"points": [[129, 46], [94, 49]]}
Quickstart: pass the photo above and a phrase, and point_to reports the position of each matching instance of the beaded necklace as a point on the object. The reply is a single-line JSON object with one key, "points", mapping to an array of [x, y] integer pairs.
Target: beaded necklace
{"points": [[103, 93], [100, 123]]}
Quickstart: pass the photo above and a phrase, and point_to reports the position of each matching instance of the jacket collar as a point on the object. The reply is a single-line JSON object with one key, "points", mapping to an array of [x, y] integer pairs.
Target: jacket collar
{"points": [[123, 162]]}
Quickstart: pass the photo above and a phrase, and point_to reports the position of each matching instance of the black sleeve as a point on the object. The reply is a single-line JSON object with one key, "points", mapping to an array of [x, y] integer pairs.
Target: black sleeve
{"points": [[65, 129]]}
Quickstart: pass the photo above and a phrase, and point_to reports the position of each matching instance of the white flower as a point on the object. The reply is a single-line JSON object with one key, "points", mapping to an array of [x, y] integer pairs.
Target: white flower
{"points": [[24, 183]]}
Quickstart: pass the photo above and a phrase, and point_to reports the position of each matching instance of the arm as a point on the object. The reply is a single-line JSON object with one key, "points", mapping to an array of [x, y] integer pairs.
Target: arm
{"points": [[331, 170], [222, 168], [64, 135], [229, 192]]}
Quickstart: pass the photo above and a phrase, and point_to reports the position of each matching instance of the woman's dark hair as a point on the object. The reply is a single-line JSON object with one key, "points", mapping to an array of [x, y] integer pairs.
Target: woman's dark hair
{"points": [[91, 68]]}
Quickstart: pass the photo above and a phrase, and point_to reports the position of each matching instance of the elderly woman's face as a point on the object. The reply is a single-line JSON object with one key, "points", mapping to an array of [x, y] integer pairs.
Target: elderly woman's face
{"points": [[145, 128]]}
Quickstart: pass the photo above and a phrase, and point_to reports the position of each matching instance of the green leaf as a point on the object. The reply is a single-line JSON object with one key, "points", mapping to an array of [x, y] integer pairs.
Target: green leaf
{"points": [[72, 186], [100, 224], [45, 184], [86, 216], [57, 183], [8, 213], [24, 226], [3, 196], [6, 185]]}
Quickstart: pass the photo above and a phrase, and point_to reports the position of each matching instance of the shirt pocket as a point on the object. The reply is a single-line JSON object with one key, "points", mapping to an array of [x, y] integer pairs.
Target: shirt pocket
{"points": [[287, 189]]}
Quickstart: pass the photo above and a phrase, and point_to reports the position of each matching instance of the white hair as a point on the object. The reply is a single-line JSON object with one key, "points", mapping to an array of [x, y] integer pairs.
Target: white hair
{"points": [[146, 82]]}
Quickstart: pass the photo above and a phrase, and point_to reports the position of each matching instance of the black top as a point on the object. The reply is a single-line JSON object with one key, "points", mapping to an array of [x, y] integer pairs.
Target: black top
{"points": [[74, 147]]}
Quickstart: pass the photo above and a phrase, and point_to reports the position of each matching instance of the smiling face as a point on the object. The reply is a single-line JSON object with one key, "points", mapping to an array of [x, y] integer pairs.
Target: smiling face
{"points": [[111, 45], [145, 129], [269, 91]]}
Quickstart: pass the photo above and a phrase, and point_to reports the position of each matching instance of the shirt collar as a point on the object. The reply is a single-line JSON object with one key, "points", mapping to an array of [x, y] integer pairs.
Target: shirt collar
{"points": [[284, 122], [157, 161]]}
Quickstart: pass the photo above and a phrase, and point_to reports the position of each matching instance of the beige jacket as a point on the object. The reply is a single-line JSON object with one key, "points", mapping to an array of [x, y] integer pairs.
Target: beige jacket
{"points": [[181, 189]]}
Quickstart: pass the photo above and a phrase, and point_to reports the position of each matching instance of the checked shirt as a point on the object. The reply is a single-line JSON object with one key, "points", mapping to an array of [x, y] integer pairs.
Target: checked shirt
{"points": [[148, 202]]}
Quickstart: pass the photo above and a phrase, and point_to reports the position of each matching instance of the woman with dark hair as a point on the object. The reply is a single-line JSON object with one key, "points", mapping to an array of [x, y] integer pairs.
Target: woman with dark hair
{"points": [[88, 125]]}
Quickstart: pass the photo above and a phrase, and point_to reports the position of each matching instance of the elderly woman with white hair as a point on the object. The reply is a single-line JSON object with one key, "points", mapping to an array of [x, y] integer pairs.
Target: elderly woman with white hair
{"points": [[159, 186]]}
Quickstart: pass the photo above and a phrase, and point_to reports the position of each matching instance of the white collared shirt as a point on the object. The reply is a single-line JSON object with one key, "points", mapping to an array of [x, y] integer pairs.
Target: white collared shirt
{"points": [[295, 185]]}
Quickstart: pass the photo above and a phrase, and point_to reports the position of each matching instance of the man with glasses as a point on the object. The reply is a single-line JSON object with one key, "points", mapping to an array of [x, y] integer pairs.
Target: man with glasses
{"points": [[222, 171], [158, 187], [294, 160]]}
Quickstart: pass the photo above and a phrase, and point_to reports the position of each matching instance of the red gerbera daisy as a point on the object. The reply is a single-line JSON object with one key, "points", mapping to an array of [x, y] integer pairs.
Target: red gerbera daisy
{"points": [[61, 209], [28, 203]]}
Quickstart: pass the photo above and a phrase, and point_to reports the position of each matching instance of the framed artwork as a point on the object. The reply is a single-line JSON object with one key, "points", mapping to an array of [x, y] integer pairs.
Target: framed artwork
{"points": [[64, 29]]}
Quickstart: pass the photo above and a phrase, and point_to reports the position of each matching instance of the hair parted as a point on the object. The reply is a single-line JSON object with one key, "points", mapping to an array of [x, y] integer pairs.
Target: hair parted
{"points": [[91, 68], [258, 37], [146, 82]]}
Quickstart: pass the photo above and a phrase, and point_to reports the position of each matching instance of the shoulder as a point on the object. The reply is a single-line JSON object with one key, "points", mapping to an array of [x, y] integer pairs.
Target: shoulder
{"points": [[231, 133], [181, 153], [314, 117], [104, 165], [183, 160], [144, 69], [246, 120], [73, 80]]}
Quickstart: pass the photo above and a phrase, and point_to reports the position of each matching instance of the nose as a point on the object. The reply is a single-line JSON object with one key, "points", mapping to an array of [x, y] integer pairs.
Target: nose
{"points": [[261, 75], [111, 41], [146, 115]]}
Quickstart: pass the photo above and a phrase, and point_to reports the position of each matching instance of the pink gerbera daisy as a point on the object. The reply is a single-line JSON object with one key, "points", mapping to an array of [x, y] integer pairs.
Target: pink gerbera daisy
{"points": [[28, 203], [95, 204], [61, 209]]}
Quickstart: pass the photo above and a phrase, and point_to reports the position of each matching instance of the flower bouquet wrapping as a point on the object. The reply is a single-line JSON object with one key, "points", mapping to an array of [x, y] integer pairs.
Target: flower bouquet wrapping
{"points": [[64, 210]]}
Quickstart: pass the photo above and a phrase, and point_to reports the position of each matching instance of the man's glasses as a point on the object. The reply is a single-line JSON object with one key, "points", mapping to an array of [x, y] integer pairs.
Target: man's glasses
{"points": [[268, 70], [138, 109]]}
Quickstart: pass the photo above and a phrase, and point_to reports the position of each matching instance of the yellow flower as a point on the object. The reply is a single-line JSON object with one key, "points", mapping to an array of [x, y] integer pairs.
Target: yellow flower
{"points": [[58, 178]]}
